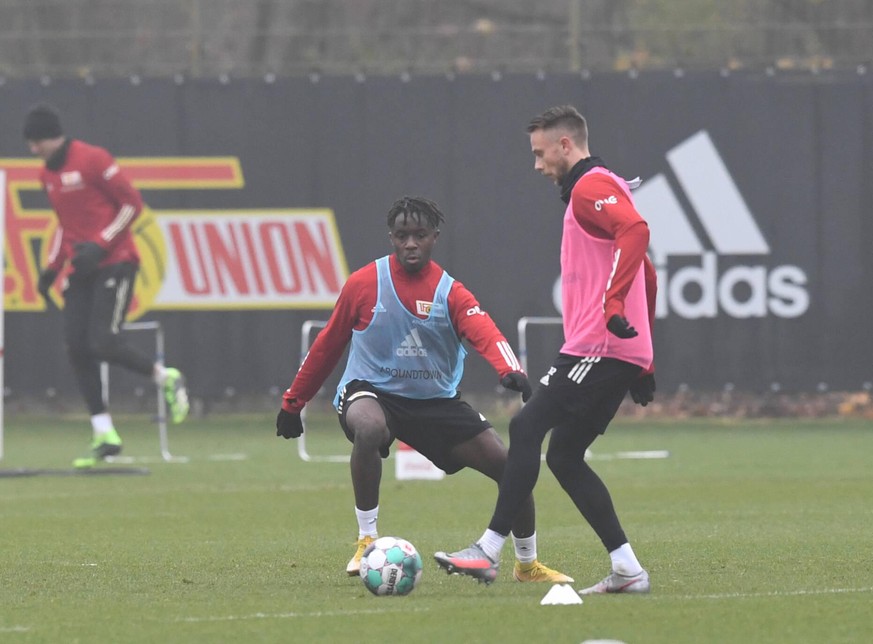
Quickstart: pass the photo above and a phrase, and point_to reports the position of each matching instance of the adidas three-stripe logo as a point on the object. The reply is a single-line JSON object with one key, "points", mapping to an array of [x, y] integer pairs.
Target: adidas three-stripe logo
{"points": [[579, 370], [714, 198], [508, 355], [719, 284]]}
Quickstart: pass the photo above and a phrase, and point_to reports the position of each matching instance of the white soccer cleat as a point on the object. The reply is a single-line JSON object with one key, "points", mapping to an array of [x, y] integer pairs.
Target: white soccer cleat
{"points": [[471, 561], [618, 583]]}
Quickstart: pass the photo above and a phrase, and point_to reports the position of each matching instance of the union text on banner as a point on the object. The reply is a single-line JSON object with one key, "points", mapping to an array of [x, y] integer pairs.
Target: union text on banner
{"points": [[251, 259]]}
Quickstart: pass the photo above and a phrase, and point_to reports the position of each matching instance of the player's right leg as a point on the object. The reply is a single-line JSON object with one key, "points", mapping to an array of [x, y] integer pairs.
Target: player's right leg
{"points": [[364, 422], [487, 454], [527, 430], [105, 440]]}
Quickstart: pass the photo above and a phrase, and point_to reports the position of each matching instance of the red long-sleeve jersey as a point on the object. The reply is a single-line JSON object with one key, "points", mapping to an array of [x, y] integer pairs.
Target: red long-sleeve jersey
{"points": [[354, 311], [622, 223], [94, 202]]}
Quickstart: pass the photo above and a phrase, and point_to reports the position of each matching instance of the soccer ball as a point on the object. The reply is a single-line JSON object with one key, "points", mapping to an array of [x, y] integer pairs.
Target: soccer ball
{"points": [[390, 566]]}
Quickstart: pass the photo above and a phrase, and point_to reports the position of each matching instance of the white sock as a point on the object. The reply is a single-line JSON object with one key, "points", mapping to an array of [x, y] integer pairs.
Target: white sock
{"points": [[624, 561], [367, 522], [492, 543], [101, 424], [525, 549]]}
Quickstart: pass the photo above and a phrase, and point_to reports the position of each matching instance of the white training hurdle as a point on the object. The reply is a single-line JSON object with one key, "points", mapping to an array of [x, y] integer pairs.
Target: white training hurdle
{"points": [[161, 419], [408, 464], [306, 338], [523, 324]]}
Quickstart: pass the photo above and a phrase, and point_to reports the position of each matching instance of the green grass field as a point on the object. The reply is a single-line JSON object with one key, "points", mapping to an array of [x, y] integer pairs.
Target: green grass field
{"points": [[752, 532]]}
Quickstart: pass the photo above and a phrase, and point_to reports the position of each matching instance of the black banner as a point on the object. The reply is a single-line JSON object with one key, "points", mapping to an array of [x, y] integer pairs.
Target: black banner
{"points": [[756, 189]]}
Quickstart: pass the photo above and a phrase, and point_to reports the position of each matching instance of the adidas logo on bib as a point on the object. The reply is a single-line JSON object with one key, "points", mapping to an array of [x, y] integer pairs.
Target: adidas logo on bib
{"points": [[411, 347]]}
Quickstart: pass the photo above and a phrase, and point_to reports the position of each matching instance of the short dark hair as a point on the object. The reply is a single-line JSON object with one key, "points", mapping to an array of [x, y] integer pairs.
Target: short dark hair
{"points": [[425, 209], [565, 117]]}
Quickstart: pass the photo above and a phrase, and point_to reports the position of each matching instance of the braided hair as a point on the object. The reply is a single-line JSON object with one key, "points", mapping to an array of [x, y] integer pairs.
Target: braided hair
{"points": [[423, 209]]}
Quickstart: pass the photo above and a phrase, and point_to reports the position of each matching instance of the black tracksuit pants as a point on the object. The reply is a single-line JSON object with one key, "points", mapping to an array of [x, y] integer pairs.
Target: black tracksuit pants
{"points": [[94, 310]]}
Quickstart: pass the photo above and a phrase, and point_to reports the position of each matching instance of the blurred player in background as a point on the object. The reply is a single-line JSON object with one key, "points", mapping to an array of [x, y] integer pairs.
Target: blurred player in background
{"points": [[406, 317], [95, 205], [608, 288]]}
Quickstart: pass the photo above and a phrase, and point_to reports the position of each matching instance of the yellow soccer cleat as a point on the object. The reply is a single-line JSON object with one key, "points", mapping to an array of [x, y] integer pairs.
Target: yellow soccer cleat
{"points": [[535, 571], [353, 569]]}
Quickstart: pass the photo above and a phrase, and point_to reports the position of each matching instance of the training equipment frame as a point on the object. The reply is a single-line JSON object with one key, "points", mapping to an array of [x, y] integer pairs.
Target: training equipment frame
{"points": [[525, 322], [2, 295], [306, 338], [161, 419]]}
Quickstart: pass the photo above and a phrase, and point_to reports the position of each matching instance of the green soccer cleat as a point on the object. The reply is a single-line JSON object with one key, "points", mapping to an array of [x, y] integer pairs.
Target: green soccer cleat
{"points": [[108, 444], [176, 395], [84, 462]]}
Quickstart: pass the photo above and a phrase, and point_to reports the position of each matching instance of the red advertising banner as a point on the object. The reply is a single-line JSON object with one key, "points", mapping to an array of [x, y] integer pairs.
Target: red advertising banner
{"points": [[203, 259], [250, 259]]}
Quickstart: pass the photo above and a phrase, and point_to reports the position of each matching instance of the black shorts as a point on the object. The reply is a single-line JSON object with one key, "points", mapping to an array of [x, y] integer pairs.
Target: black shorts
{"points": [[586, 389], [432, 427]]}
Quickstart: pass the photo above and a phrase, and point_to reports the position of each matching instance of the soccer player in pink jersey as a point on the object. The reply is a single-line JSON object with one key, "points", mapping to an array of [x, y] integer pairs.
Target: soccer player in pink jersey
{"points": [[608, 288]]}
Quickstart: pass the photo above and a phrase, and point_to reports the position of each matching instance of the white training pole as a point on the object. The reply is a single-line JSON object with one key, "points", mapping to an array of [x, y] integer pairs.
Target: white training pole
{"points": [[523, 323], [306, 338], [408, 463], [2, 294]]}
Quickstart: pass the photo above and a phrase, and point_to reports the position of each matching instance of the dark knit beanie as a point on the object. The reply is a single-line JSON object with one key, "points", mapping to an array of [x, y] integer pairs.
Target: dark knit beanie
{"points": [[42, 122]]}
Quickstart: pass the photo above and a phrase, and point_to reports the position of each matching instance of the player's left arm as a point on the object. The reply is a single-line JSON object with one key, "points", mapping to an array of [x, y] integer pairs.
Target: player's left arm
{"points": [[114, 184], [651, 277], [57, 255], [476, 327], [617, 219]]}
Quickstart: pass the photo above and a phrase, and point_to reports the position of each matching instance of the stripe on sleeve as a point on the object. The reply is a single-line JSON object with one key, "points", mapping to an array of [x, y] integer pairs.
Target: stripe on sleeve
{"points": [[121, 221], [508, 355]]}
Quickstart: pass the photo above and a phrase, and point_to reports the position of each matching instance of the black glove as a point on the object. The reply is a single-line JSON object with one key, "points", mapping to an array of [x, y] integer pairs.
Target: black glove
{"points": [[620, 327], [288, 425], [88, 256], [46, 280], [642, 390], [517, 381]]}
